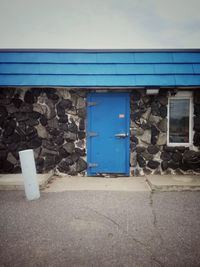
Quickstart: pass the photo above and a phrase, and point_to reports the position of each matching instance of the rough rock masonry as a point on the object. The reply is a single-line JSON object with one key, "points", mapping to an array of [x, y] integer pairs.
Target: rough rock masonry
{"points": [[52, 122]]}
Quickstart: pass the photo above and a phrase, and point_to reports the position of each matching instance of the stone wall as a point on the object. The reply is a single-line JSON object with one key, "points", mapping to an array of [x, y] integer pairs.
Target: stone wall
{"points": [[149, 151], [50, 121]]}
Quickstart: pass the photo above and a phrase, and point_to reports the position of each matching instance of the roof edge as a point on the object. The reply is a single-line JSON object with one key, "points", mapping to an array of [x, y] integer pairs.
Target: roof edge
{"points": [[71, 50]]}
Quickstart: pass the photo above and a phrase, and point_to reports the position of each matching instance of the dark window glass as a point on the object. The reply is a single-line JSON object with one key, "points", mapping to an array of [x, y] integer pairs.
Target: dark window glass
{"points": [[179, 110]]}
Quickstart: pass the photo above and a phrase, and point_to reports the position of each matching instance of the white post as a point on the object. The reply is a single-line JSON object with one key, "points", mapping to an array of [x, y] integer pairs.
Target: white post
{"points": [[29, 174]]}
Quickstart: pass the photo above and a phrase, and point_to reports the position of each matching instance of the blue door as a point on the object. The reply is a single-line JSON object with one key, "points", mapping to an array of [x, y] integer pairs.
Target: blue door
{"points": [[108, 133]]}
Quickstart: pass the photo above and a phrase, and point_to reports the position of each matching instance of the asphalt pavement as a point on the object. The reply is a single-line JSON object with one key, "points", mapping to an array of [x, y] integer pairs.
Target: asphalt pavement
{"points": [[100, 228]]}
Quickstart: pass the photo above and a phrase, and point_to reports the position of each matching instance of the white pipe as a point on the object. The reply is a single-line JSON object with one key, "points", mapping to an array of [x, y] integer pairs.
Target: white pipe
{"points": [[29, 174]]}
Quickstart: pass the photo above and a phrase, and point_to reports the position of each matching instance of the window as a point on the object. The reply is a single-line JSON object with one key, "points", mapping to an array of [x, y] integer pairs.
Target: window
{"points": [[180, 119]]}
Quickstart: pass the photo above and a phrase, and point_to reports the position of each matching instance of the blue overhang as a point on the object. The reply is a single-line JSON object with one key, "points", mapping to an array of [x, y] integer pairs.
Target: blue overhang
{"points": [[100, 68]]}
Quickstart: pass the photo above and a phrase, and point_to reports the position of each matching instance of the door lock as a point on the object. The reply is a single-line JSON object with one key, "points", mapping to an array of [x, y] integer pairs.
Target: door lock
{"points": [[121, 135]]}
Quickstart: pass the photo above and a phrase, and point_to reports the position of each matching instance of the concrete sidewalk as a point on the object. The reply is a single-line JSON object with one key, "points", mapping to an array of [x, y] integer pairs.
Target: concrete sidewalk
{"points": [[51, 183], [136, 184], [174, 182], [15, 181], [66, 183]]}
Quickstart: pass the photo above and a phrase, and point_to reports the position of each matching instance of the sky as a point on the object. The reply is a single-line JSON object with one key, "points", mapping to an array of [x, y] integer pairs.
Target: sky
{"points": [[93, 24]]}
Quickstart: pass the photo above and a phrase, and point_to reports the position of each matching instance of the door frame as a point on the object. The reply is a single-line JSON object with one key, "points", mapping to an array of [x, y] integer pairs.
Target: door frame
{"points": [[88, 125]]}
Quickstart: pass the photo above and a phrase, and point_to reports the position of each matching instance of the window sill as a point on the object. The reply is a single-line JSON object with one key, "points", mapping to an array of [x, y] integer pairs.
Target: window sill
{"points": [[179, 144]]}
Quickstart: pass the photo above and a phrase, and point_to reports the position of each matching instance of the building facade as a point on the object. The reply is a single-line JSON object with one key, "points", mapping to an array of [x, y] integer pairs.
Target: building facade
{"points": [[98, 113]]}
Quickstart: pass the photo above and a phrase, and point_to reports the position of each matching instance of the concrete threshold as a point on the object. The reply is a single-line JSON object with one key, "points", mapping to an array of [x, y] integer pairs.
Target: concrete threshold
{"points": [[77, 183], [15, 181], [51, 183], [174, 182]]}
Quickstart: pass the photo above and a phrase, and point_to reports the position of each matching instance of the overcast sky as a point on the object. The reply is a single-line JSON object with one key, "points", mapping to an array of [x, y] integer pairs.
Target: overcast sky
{"points": [[100, 23]]}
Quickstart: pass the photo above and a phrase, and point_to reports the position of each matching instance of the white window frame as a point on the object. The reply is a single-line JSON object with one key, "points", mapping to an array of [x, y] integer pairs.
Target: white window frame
{"points": [[182, 95]]}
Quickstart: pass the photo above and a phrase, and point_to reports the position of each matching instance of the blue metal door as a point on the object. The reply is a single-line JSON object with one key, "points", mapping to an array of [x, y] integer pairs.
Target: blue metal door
{"points": [[108, 133]]}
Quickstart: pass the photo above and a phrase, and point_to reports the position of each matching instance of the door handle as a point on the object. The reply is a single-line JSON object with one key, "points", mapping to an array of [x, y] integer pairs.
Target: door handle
{"points": [[121, 135]]}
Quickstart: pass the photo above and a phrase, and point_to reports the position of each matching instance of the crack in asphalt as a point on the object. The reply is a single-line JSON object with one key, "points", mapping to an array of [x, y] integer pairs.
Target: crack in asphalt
{"points": [[155, 220], [129, 235], [152, 210]]}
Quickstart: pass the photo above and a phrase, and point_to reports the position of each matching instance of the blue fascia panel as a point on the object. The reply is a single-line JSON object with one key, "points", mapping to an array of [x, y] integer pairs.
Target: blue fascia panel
{"points": [[134, 69], [196, 68], [99, 80], [99, 69], [35, 57], [48, 80], [87, 69], [107, 69], [153, 57], [115, 58], [67, 80], [99, 57], [173, 69], [187, 80], [155, 80], [186, 57]]}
